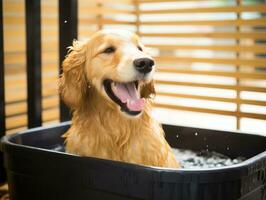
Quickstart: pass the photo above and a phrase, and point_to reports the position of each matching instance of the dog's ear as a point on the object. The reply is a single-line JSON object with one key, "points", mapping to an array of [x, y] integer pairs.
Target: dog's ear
{"points": [[148, 90], [72, 83]]}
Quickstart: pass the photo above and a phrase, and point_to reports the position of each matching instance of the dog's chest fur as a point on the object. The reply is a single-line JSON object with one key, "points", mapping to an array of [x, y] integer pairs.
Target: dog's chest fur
{"points": [[110, 135]]}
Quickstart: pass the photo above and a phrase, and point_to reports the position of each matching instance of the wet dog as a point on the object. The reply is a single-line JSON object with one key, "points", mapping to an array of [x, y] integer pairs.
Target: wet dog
{"points": [[107, 82]]}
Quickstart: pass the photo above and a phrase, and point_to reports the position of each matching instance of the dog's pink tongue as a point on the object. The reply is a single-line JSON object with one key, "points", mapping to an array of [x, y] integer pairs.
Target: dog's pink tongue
{"points": [[128, 93], [136, 105]]}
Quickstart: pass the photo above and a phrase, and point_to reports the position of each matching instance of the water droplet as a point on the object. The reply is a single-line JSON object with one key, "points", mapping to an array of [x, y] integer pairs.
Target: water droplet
{"points": [[65, 21], [196, 134], [177, 135]]}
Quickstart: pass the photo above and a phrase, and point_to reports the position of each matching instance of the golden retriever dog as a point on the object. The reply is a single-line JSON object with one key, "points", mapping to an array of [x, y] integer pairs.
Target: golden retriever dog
{"points": [[107, 82]]}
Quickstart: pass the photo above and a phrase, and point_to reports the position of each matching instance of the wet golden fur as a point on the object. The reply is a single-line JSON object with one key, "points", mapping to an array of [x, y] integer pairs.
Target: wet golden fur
{"points": [[99, 128]]}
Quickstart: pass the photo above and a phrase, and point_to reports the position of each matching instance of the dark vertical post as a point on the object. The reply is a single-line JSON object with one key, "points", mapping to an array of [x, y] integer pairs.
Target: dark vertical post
{"points": [[2, 81], [2, 95], [68, 30], [33, 44]]}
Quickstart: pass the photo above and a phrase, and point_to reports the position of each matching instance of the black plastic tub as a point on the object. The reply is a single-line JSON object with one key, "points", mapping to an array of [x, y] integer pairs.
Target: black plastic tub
{"points": [[38, 169]]}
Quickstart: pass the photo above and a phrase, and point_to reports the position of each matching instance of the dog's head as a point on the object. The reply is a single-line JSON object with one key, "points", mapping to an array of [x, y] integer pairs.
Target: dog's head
{"points": [[116, 64]]}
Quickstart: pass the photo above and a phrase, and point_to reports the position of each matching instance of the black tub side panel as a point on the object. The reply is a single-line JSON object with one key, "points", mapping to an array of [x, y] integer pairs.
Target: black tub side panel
{"points": [[51, 175], [57, 177], [35, 174], [34, 188]]}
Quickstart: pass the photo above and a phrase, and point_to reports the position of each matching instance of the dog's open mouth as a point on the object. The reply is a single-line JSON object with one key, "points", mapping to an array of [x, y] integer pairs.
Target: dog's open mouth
{"points": [[126, 95]]}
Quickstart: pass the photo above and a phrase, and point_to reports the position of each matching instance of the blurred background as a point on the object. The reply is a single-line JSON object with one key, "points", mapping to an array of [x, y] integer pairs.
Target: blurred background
{"points": [[211, 64]]}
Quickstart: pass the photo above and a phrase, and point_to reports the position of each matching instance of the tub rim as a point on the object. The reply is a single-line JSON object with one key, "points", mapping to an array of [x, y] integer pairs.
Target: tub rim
{"points": [[245, 166]]}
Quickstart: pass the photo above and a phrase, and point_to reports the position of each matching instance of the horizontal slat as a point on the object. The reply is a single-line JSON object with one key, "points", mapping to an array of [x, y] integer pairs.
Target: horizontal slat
{"points": [[240, 35], [48, 9], [20, 20], [211, 111], [237, 22], [21, 120], [107, 22], [16, 122], [195, 109], [237, 48], [21, 42], [13, 7], [16, 130], [244, 62], [21, 107], [16, 109], [163, 1], [236, 9], [210, 98], [217, 86], [18, 7], [14, 47], [116, 2], [17, 58], [105, 11], [242, 75], [20, 34], [20, 45], [20, 95], [50, 102], [17, 84], [19, 68], [51, 114]]}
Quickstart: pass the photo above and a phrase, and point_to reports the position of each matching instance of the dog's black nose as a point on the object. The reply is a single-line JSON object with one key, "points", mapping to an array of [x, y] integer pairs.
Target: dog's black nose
{"points": [[143, 65]]}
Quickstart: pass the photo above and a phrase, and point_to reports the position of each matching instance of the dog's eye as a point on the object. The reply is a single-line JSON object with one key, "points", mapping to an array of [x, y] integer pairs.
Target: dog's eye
{"points": [[109, 50], [139, 48]]}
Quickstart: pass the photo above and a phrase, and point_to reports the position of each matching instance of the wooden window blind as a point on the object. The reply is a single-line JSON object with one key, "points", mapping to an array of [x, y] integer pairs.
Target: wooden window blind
{"points": [[210, 54]]}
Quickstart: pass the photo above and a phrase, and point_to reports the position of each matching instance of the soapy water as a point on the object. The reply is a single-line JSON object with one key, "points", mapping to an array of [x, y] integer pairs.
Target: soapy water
{"points": [[204, 159], [194, 160]]}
